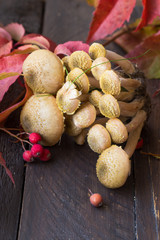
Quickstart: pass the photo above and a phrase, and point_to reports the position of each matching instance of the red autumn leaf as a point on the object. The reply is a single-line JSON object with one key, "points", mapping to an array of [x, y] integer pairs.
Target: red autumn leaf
{"points": [[151, 10], [6, 48], [37, 39], [8, 111], [108, 16], [4, 34], [150, 62], [11, 63], [69, 47], [3, 163], [16, 30]]}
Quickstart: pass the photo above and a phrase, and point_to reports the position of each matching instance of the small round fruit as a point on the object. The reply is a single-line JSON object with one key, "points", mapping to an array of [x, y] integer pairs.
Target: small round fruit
{"points": [[43, 71], [41, 114], [96, 200], [46, 155], [37, 150], [27, 156], [34, 138], [113, 167]]}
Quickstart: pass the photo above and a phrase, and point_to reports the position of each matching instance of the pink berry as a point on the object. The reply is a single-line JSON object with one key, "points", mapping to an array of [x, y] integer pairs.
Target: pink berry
{"points": [[34, 138], [27, 156], [46, 155], [37, 150]]}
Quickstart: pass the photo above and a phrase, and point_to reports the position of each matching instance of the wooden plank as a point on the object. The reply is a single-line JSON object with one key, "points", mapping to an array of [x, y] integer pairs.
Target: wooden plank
{"points": [[56, 203], [28, 13], [147, 177]]}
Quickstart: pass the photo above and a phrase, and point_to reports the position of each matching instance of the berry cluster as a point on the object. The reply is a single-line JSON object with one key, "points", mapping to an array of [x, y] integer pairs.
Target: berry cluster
{"points": [[37, 151]]}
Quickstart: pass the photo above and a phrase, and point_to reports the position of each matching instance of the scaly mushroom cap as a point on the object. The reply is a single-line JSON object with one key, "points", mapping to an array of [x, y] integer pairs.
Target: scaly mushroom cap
{"points": [[98, 138], [117, 130], [85, 115], [110, 83], [43, 71], [79, 78], [113, 167], [99, 66], [94, 97], [40, 114], [97, 50], [109, 106], [81, 60]]}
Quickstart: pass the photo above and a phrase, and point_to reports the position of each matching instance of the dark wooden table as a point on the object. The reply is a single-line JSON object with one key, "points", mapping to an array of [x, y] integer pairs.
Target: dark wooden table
{"points": [[50, 201]]}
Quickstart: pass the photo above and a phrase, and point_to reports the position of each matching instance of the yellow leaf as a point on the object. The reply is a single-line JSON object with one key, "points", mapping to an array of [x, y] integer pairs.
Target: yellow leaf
{"points": [[93, 3], [8, 74]]}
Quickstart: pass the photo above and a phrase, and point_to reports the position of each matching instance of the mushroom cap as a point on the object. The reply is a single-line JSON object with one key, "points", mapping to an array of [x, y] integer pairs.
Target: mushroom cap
{"points": [[97, 50], [43, 71], [109, 106], [117, 130], [99, 66], [98, 138], [94, 97], [41, 114], [81, 60], [79, 78], [110, 83], [113, 167], [85, 115]]}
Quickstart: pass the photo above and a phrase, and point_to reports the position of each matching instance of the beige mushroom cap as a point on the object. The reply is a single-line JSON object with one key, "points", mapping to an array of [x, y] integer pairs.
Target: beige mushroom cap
{"points": [[117, 130], [113, 167], [108, 106], [43, 71], [40, 114], [98, 138]]}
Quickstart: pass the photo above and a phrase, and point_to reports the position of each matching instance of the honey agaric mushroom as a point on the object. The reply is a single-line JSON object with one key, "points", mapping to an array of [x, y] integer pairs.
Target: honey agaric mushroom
{"points": [[80, 139], [110, 83], [79, 78], [97, 50], [113, 167], [99, 66], [70, 128], [108, 106], [67, 98], [43, 71], [80, 59], [98, 138], [95, 97], [85, 115], [126, 65], [117, 130], [41, 114]]}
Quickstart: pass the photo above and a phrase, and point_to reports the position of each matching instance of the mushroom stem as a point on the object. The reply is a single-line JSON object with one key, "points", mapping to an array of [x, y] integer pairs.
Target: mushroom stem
{"points": [[83, 97], [136, 120], [125, 96], [129, 83], [130, 109], [126, 65], [133, 140], [94, 82]]}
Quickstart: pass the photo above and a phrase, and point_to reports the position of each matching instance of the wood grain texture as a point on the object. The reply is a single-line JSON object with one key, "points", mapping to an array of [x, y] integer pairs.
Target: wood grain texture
{"points": [[56, 202], [26, 12], [147, 178]]}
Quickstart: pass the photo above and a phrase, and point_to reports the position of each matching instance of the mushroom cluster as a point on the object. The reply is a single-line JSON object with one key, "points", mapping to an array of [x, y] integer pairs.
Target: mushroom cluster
{"points": [[106, 105]]}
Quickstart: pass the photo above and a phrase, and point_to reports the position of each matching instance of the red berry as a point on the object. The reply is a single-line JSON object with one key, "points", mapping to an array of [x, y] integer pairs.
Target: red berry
{"points": [[27, 156], [37, 150], [140, 143], [46, 155], [34, 138], [96, 200]]}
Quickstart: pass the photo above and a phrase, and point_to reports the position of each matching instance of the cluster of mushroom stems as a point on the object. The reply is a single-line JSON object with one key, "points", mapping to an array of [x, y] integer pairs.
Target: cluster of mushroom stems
{"points": [[99, 104]]}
